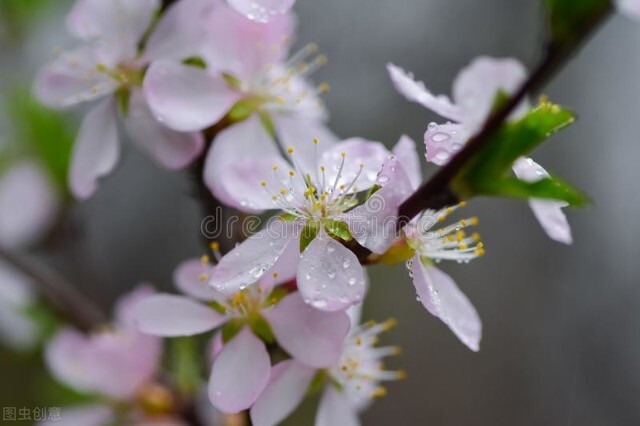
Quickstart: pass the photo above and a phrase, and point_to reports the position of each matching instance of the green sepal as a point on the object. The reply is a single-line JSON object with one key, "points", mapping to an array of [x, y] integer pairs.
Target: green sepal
{"points": [[397, 253], [339, 229], [276, 295], [184, 362], [308, 234], [122, 96], [195, 61], [217, 306], [233, 81], [231, 329], [288, 217], [262, 329], [375, 188], [267, 123], [241, 110], [317, 383]]}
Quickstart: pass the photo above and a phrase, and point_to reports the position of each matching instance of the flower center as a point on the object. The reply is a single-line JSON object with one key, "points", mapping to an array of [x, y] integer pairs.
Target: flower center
{"points": [[360, 369]]}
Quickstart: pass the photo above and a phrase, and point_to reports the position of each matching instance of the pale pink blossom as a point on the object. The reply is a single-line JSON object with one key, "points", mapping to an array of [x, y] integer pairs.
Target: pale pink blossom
{"points": [[319, 197], [350, 384], [241, 366], [474, 93], [109, 67], [118, 363], [17, 330], [629, 7], [262, 10]]}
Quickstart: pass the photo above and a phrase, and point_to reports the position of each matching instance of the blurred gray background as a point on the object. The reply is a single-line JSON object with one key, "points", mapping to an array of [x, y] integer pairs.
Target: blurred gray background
{"points": [[561, 341]]}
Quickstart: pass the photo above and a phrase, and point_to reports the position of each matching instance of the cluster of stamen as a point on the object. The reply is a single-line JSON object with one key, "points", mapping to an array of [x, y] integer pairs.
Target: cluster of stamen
{"points": [[314, 197], [360, 369], [450, 242]]}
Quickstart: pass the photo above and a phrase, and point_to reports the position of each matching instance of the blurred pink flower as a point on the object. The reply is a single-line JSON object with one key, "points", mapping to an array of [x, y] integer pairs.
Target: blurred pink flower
{"points": [[474, 92], [629, 7], [241, 366], [107, 65], [262, 10], [17, 330], [117, 363], [318, 197], [351, 383]]}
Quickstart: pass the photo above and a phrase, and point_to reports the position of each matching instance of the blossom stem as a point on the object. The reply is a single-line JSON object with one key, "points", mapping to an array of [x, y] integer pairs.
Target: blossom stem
{"points": [[64, 297], [437, 193]]}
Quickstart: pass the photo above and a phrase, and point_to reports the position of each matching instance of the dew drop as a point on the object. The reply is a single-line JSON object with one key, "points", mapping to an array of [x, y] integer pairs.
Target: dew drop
{"points": [[346, 264], [440, 137], [418, 299], [442, 156], [433, 126], [331, 247], [352, 281]]}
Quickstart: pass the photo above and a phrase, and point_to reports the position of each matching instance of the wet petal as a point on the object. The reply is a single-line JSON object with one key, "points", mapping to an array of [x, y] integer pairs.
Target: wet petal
{"points": [[28, 204], [330, 277], [240, 373], [358, 152], [416, 91], [335, 409], [169, 316], [476, 87], [443, 299], [443, 141], [249, 261], [241, 157], [311, 336], [96, 150], [548, 212], [186, 98], [374, 224], [72, 78], [407, 154], [174, 150], [286, 389], [191, 277], [262, 10]]}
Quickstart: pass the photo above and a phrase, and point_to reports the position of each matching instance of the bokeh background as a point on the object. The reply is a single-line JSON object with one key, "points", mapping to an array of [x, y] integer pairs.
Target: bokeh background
{"points": [[561, 341]]}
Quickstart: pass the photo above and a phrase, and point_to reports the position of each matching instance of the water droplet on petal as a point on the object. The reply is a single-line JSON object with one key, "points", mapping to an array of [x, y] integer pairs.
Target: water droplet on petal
{"points": [[433, 126], [440, 137]]}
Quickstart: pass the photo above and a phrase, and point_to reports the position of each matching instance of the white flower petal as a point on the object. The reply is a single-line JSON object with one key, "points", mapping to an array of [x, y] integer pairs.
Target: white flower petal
{"points": [[262, 10], [336, 409], [407, 154]]}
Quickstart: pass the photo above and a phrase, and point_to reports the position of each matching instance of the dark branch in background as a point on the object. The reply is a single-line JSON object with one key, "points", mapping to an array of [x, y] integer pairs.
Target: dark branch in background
{"points": [[436, 193], [67, 301]]}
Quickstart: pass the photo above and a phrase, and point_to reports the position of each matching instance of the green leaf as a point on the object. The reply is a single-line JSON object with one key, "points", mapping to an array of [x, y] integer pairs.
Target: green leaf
{"points": [[184, 362], [262, 329], [231, 329], [308, 234], [43, 133], [568, 19], [549, 188], [338, 228], [195, 61]]}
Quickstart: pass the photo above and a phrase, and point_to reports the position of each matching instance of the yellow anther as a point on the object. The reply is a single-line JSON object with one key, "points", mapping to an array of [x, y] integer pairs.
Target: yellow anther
{"points": [[361, 165], [283, 191], [102, 68], [290, 150], [263, 183], [450, 238], [343, 154], [275, 275], [359, 341], [204, 259], [312, 48], [463, 246], [389, 324], [379, 392], [462, 204], [448, 210], [555, 109], [480, 245], [316, 141], [292, 173], [203, 277], [463, 222], [401, 375], [215, 246], [480, 251], [396, 350], [459, 236], [324, 87], [474, 221], [275, 167], [475, 236], [280, 100], [322, 168], [321, 60], [441, 218]]}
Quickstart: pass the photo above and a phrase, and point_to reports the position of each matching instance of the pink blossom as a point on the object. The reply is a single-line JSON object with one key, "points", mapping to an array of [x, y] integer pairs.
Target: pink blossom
{"points": [[241, 366], [262, 10], [16, 329], [351, 383], [474, 92], [117, 363], [108, 66], [329, 275], [629, 7]]}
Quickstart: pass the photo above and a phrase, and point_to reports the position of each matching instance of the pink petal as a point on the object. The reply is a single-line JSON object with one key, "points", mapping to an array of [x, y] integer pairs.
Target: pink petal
{"points": [[415, 91], [629, 7], [286, 389], [443, 141], [188, 279], [548, 212], [96, 149], [240, 373], [249, 261], [311, 336], [186, 98], [407, 155], [374, 224], [443, 299], [167, 315], [16, 329], [241, 157], [358, 151], [335, 409], [73, 78], [299, 132], [285, 269], [28, 204], [125, 308], [65, 358], [174, 150], [476, 87], [262, 10], [83, 415], [181, 32], [330, 277], [244, 48]]}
